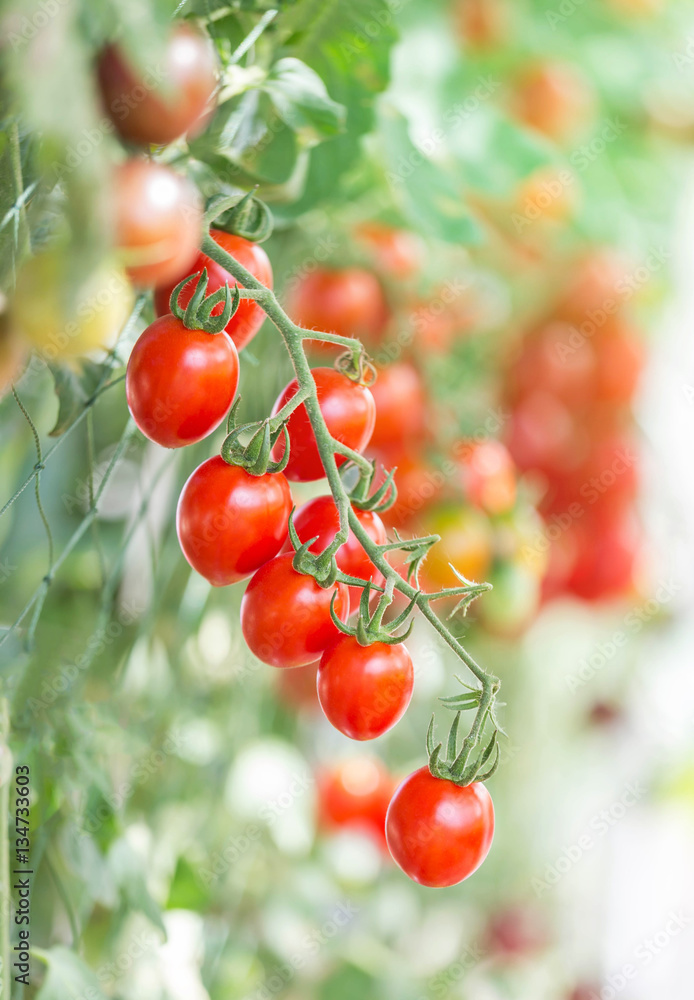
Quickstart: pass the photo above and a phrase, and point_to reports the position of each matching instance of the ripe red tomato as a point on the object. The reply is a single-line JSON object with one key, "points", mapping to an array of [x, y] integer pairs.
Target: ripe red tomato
{"points": [[229, 522], [606, 558], [400, 407], [489, 475], [170, 99], [158, 216], [364, 690], [349, 302], [349, 412], [248, 318], [397, 252], [438, 832], [285, 615], [180, 383], [544, 435], [555, 99], [319, 518], [355, 794]]}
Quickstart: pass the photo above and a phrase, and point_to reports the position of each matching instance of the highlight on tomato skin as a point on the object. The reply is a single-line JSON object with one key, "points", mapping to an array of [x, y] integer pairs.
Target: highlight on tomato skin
{"points": [[230, 523], [248, 318], [285, 615], [439, 833]]}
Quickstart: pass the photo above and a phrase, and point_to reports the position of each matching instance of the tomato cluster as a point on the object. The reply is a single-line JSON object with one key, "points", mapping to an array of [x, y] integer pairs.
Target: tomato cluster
{"points": [[569, 389]]}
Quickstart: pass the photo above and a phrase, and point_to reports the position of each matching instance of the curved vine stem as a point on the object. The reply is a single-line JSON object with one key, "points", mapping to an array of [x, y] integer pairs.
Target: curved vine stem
{"points": [[294, 337]]}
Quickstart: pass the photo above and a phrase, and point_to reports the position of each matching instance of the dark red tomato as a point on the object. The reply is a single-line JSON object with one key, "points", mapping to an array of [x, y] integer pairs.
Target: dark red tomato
{"points": [[355, 795], [349, 412], [248, 318], [158, 216], [396, 251], [229, 522], [349, 302], [285, 615], [555, 99], [180, 383], [488, 474], [438, 832], [400, 407], [159, 105], [319, 518], [365, 690]]}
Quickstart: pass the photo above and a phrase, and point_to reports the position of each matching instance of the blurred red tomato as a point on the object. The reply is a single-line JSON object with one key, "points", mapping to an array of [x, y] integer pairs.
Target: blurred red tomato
{"points": [[558, 359], [400, 407], [554, 98], [482, 24], [397, 252], [488, 475], [599, 283], [296, 687], [355, 794], [349, 302], [606, 558], [620, 361]]}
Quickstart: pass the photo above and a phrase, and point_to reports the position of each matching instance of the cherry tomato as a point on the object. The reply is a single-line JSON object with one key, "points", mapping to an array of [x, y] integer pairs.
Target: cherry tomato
{"points": [[64, 315], [396, 251], [365, 690], [400, 407], [349, 412], [516, 931], [606, 558], [482, 24], [621, 359], [433, 326], [180, 383], [248, 318], [544, 435], [355, 794], [160, 105], [229, 522], [489, 475], [158, 221], [438, 832], [560, 360], [285, 615], [418, 483], [349, 302], [466, 542], [599, 283], [555, 99], [296, 687], [319, 518]]}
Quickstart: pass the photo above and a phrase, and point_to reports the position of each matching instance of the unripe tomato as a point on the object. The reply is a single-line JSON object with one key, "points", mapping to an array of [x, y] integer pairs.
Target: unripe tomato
{"points": [[438, 832], [512, 604], [248, 318], [61, 320], [161, 104], [349, 412], [555, 99], [180, 383], [488, 475], [349, 302], [355, 794], [229, 522], [543, 434], [285, 615], [400, 407], [158, 221], [319, 518], [466, 542], [364, 690]]}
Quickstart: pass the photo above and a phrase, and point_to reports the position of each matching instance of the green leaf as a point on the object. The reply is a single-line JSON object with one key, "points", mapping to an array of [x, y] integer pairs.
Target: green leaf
{"points": [[67, 976], [130, 877], [302, 101], [494, 154]]}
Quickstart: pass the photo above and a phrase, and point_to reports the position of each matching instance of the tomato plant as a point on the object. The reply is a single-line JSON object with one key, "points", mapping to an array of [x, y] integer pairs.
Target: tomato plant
{"points": [[438, 832], [349, 412], [158, 217], [285, 615], [365, 690], [355, 794], [166, 102], [230, 522], [248, 318], [180, 383]]}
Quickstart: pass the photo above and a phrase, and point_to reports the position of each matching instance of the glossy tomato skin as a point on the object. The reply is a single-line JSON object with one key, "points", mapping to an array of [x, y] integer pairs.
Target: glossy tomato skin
{"points": [[248, 318], [229, 522], [349, 411], [180, 383], [319, 518], [400, 407], [349, 302], [158, 215], [364, 690], [285, 615], [160, 106], [438, 832], [355, 794]]}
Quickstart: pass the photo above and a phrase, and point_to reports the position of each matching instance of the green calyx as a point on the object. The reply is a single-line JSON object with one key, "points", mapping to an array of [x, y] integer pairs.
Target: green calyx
{"points": [[197, 315], [476, 760], [381, 499], [254, 456], [248, 217], [370, 627], [357, 366], [320, 565]]}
